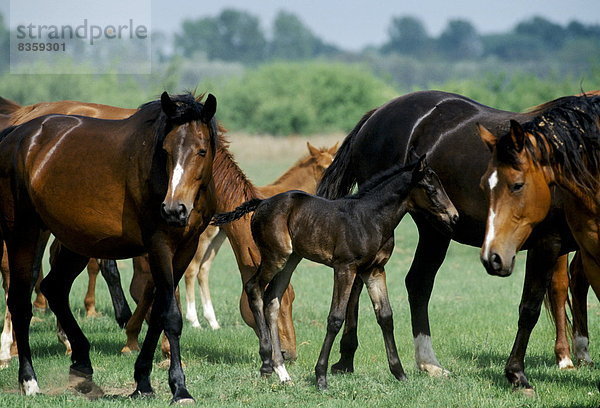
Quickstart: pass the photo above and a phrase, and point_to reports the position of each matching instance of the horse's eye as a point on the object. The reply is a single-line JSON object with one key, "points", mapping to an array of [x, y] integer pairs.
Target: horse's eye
{"points": [[516, 187], [202, 152]]}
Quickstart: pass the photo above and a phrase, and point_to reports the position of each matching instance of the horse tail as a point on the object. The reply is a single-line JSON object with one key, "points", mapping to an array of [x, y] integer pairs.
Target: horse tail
{"points": [[339, 177], [239, 212], [8, 107]]}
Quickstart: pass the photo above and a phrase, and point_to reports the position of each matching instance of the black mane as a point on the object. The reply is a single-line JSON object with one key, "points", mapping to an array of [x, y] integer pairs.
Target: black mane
{"points": [[381, 178], [567, 137]]}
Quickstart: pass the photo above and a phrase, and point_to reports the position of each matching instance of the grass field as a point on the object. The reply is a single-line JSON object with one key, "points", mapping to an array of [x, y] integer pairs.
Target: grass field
{"points": [[473, 319]]}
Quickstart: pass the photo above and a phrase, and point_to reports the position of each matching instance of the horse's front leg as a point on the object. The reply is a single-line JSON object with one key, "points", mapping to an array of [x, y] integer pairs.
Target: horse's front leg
{"points": [[541, 263], [166, 316]]}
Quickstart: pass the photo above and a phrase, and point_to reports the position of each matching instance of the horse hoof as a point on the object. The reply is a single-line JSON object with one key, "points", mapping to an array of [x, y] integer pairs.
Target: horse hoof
{"points": [[182, 397], [129, 349], [566, 364], [141, 394], [85, 373], [527, 392], [434, 370], [340, 368], [322, 384], [184, 401], [4, 364]]}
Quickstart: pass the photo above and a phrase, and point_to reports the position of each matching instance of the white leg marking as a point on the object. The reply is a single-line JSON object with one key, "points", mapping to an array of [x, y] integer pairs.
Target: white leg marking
{"points": [[190, 313], [30, 387], [580, 349], [6, 341], [209, 314], [565, 364], [425, 357], [282, 373]]}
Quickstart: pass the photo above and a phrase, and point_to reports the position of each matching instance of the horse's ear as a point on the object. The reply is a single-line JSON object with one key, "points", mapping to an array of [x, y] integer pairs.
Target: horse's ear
{"points": [[209, 109], [333, 149], [314, 152], [488, 137], [517, 135], [419, 170], [168, 106]]}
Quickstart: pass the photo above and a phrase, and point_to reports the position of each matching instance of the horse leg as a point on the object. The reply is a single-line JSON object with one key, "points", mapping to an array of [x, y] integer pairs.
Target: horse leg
{"points": [[541, 261], [349, 341], [579, 291], [6, 339], [65, 267], [40, 304], [190, 279], [429, 255], [166, 316], [110, 273], [557, 295], [22, 245], [376, 286], [342, 286], [93, 269], [134, 324], [209, 256], [272, 301]]}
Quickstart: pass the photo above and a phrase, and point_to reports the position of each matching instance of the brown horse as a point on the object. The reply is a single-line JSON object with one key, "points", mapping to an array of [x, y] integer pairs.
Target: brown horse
{"points": [[353, 235], [242, 190], [147, 193], [303, 175], [553, 157]]}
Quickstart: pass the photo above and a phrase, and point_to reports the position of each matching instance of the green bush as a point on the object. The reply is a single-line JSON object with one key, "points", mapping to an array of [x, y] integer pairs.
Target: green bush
{"points": [[301, 98]]}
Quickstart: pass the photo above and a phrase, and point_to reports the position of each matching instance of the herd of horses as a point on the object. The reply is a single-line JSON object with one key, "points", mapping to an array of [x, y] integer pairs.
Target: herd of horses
{"points": [[499, 180]]}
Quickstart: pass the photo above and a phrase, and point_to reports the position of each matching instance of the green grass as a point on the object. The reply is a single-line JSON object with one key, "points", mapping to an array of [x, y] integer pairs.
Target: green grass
{"points": [[473, 318]]}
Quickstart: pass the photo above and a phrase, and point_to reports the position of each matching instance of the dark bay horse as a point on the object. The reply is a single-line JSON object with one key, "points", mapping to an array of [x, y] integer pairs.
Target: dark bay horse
{"points": [[147, 193], [444, 126], [353, 235]]}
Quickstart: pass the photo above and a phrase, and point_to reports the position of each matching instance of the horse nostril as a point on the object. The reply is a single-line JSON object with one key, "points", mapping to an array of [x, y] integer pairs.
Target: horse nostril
{"points": [[455, 218], [182, 211], [496, 262]]}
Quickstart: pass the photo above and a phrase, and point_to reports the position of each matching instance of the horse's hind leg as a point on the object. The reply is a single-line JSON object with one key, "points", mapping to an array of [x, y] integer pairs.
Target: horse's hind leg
{"points": [[430, 253], [376, 285], [342, 286], [65, 267], [110, 273], [349, 341], [557, 294], [579, 291], [21, 247], [272, 302], [6, 339], [40, 304]]}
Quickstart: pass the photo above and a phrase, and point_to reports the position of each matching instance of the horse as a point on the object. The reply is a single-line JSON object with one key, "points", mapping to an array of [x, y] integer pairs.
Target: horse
{"points": [[555, 153], [303, 175], [444, 126], [149, 193], [353, 235], [232, 188], [235, 187]]}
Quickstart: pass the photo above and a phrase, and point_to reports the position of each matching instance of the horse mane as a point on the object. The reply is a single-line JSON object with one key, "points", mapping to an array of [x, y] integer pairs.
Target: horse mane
{"points": [[8, 107], [381, 178], [566, 137], [231, 184]]}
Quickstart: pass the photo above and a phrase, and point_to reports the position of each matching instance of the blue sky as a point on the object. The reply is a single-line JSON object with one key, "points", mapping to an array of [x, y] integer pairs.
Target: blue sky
{"points": [[353, 24]]}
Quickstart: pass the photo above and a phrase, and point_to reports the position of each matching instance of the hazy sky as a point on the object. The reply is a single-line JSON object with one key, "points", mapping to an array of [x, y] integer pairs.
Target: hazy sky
{"points": [[352, 24]]}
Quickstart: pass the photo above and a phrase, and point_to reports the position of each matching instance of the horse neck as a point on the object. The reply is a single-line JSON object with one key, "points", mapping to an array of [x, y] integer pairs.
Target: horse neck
{"points": [[386, 202], [232, 187], [298, 177]]}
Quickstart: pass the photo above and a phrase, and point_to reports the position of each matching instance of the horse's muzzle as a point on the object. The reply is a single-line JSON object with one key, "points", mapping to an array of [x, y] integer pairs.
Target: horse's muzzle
{"points": [[176, 215], [496, 266]]}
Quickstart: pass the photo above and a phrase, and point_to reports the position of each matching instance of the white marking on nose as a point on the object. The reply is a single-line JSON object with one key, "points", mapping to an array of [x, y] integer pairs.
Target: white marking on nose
{"points": [[493, 180]]}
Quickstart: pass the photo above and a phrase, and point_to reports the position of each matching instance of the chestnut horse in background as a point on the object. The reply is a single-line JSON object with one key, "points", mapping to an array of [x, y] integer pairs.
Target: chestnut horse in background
{"points": [[303, 175], [560, 146], [444, 126], [147, 193]]}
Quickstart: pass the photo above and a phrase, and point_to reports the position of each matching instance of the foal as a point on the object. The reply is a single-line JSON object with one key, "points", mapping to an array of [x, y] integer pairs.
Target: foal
{"points": [[353, 235]]}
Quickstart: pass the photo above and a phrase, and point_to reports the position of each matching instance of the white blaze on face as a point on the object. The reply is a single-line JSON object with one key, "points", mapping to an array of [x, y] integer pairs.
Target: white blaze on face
{"points": [[490, 231], [177, 173]]}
